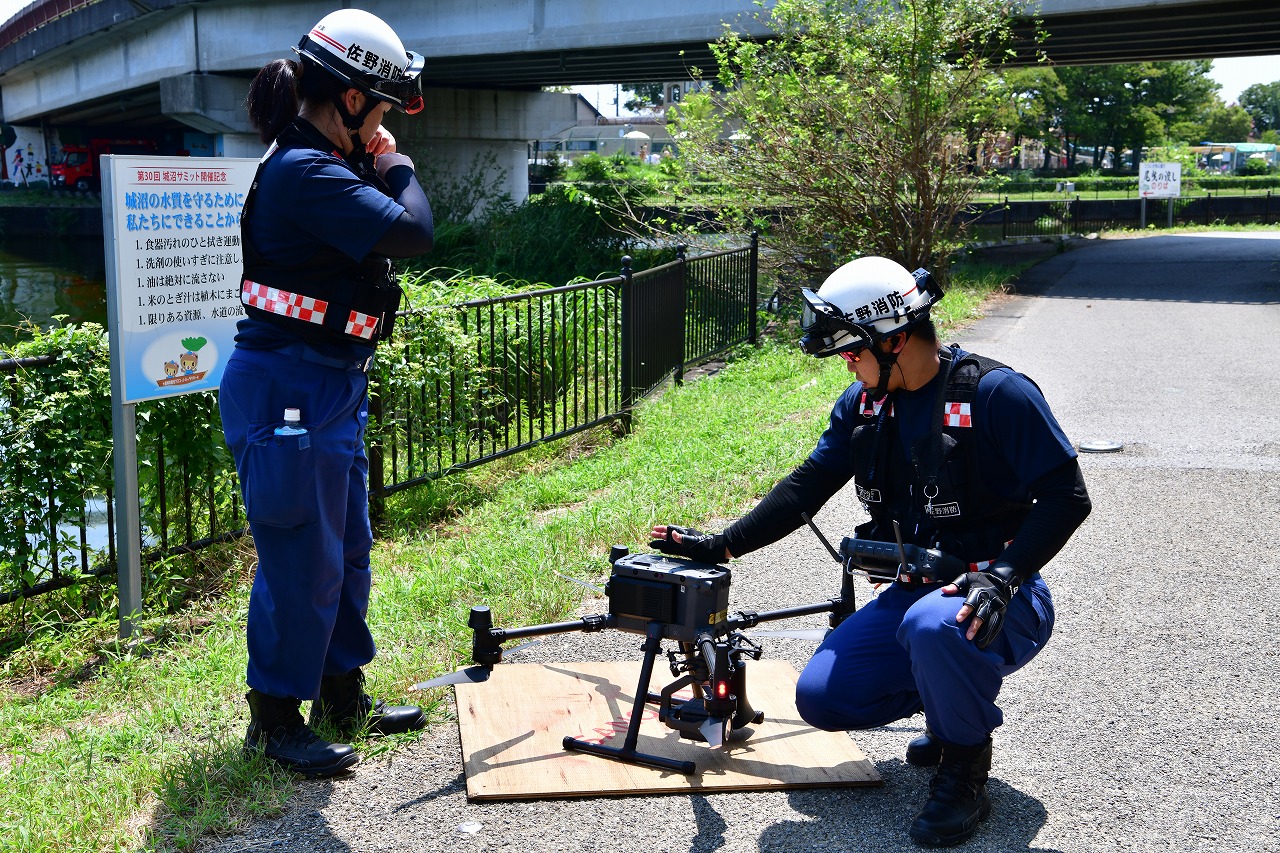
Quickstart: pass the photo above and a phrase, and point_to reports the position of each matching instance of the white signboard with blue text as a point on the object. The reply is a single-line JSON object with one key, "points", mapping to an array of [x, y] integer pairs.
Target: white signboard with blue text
{"points": [[173, 269]]}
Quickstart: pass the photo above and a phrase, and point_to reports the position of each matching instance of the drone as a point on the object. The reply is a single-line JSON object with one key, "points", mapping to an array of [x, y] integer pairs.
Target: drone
{"points": [[665, 598]]}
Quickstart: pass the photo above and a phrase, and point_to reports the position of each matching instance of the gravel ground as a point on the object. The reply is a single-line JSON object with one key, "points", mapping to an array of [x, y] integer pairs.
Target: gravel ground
{"points": [[1150, 721]]}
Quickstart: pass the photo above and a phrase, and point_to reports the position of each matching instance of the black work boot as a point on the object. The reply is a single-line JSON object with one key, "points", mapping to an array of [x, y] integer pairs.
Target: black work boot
{"points": [[957, 796], [926, 750], [344, 704], [276, 729]]}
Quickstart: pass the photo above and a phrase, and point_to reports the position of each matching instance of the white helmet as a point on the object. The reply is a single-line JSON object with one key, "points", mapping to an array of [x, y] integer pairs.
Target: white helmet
{"points": [[862, 303], [362, 51]]}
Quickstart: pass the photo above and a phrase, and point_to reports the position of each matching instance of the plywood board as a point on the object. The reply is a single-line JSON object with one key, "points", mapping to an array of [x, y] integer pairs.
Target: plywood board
{"points": [[513, 725]]}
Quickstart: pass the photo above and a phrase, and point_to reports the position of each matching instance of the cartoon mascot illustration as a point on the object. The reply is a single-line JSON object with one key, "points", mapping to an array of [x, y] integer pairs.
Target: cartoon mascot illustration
{"points": [[188, 360], [185, 368]]}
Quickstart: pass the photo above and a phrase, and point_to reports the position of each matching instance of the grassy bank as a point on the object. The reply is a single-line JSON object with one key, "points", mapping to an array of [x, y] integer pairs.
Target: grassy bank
{"points": [[105, 746], [42, 196]]}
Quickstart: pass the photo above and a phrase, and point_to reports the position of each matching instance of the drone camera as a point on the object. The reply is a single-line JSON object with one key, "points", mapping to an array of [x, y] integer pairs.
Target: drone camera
{"points": [[687, 598]]}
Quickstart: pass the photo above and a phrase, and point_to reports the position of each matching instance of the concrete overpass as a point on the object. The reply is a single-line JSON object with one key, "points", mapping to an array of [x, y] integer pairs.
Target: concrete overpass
{"points": [[173, 64]]}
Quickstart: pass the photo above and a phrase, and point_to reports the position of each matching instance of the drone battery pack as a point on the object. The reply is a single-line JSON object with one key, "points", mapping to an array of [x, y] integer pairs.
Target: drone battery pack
{"points": [[685, 597]]}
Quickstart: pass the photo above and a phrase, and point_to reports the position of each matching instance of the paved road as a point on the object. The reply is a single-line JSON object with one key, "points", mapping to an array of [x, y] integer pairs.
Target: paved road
{"points": [[1148, 724]]}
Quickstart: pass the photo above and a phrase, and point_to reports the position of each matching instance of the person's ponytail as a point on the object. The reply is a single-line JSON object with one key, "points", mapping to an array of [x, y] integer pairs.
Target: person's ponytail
{"points": [[273, 98]]}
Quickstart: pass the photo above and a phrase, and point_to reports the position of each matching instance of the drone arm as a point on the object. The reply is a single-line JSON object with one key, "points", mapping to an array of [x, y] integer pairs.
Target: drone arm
{"points": [[587, 624], [751, 618]]}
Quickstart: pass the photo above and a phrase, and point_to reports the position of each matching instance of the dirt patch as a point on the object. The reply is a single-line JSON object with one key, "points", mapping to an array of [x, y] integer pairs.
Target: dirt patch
{"points": [[557, 511], [28, 687]]}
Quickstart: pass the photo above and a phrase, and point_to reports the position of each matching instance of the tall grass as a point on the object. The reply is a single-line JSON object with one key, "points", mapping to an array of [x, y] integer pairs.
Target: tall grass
{"points": [[107, 746]]}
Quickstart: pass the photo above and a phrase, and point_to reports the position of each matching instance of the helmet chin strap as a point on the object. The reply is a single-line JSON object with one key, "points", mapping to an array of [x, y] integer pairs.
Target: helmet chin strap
{"points": [[353, 122], [887, 360]]}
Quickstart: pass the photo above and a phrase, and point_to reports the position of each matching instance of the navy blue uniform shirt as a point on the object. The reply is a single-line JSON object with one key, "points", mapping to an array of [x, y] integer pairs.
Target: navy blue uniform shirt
{"points": [[1019, 440], [308, 199]]}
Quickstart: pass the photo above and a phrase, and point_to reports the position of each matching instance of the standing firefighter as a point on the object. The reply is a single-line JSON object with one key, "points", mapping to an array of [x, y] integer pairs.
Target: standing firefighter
{"points": [[959, 453], [331, 203]]}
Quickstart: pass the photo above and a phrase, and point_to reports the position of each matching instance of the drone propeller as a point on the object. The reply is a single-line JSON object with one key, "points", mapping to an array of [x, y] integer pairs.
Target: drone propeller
{"points": [[472, 674], [812, 634], [589, 586], [713, 730]]}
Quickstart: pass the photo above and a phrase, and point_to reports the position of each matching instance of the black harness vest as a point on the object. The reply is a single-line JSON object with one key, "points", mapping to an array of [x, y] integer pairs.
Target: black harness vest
{"points": [[939, 498], [326, 298]]}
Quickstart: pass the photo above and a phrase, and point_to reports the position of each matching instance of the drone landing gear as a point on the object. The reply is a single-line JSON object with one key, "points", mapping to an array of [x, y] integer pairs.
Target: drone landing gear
{"points": [[705, 717], [627, 752]]}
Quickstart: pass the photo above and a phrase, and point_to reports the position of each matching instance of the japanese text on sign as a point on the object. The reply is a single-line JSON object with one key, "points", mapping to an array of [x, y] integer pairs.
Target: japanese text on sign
{"points": [[1160, 180], [176, 258]]}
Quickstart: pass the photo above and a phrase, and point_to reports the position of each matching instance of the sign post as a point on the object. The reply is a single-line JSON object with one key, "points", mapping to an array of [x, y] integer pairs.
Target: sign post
{"points": [[173, 262], [1159, 180]]}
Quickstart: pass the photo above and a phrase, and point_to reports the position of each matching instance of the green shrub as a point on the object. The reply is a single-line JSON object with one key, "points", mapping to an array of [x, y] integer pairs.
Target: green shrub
{"points": [[455, 382], [1257, 167], [568, 232], [56, 431]]}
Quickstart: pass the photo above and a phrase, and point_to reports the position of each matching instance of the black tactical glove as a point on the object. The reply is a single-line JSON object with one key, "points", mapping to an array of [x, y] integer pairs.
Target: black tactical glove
{"points": [[694, 544], [988, 592]]}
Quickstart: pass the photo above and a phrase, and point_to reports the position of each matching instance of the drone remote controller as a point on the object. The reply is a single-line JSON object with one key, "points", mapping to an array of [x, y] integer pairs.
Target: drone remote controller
{"points": [[892, 561]]}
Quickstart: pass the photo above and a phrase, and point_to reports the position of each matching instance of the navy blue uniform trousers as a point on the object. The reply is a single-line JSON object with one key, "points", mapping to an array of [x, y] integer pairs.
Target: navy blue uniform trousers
{"points": [[903, 652], [307, 501]]}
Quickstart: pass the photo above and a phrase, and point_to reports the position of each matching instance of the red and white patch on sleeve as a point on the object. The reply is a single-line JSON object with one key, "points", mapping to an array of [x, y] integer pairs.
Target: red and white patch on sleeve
{"points": [[871, 408], [957, 415]]}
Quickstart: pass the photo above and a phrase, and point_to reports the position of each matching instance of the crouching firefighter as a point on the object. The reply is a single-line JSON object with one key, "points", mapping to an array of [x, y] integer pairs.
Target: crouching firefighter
{"points": [[961, 454], [332, 202]]}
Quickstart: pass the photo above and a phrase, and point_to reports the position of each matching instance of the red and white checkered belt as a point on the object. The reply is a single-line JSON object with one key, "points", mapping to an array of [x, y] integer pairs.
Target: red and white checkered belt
{"points": [[307, 309]]}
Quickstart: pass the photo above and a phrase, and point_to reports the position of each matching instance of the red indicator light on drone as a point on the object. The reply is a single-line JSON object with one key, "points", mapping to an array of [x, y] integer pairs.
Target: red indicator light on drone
{"points": [[722, 689]]}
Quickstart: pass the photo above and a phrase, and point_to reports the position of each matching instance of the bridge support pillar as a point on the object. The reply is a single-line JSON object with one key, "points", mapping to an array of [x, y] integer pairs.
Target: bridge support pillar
{"points": [[459, 132], [462, 130], [211, 103]]}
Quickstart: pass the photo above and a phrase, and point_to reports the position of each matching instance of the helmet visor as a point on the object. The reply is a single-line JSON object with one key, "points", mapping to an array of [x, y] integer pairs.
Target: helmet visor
{"points": [[827, 329], [820, 317], [405, 93]]}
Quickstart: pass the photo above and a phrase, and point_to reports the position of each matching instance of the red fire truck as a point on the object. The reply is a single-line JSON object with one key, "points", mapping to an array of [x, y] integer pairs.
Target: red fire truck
{"points": [[77, 165]]}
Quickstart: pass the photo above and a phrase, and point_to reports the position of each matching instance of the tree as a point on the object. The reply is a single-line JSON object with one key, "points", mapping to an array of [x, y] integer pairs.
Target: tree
{"points": [[1262, 102], [1226, 124], [1035, 102], [1134, 105], [854, 123], [647, 96]]}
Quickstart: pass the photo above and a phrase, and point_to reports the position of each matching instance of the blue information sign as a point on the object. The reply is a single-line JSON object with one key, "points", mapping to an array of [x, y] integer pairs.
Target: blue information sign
{"points": [[173, 269]]}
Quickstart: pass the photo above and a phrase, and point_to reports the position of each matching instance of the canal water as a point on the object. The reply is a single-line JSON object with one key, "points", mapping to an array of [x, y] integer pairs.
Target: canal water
{"points": [[42, 277]]}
